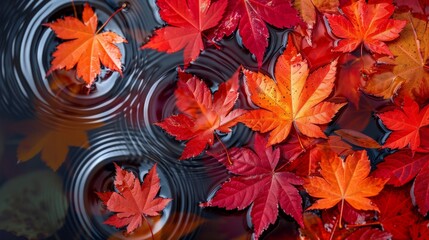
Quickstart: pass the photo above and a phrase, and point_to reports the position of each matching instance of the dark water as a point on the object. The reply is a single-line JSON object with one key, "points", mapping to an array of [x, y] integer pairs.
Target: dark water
{"points": [[117, 114]]}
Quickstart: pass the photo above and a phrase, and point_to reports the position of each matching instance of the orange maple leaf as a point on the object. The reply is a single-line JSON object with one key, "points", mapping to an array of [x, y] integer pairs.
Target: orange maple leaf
{"points": [[86, 47], [409, 75], [367, 23], [294, 97], [344, 181]]}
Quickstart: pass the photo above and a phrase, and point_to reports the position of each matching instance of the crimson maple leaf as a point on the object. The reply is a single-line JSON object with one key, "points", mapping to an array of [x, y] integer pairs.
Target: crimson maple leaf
{"points": [[86, 47], [402, 167], [187, 21], [133, 201], [201, 115], [406, 125], [249, 16], [260, 179], [397, 212], [368, 23]]}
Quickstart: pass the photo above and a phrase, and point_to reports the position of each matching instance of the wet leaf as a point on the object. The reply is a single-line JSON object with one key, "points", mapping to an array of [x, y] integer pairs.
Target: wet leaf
{"points": [[308, 10], [295, 97], [249, 17], [397, 213], [417, 7], [357, 138], [369, 233], [170, 229], [401, 167], [202, 113], [420, 190], [259, 180], [33, 205], [406, 124], [366, 23], [409, 75], [316, 229], [317, 48], [85, 46], [351, 76], [420, 231], [344, 181], [133, 201], [187, 22]]}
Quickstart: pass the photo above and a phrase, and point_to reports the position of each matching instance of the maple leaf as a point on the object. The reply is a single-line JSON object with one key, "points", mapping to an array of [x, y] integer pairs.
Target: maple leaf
{"points": [[417, 7], [402, 167], [187, 23], [308, 10], [357, 138], [420, 190], [169, 230], [369, 233], [133, 201], [352, 76], [367, 23], [410, 73], [397, 212], [317, 49], [261, 180], [86, 47], [406, 125], [294, 97], [420, 231], [344, 181], [201, 115], [249, 16], [315, 229]]}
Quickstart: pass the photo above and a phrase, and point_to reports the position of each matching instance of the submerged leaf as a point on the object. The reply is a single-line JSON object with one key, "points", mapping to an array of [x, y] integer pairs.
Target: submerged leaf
{"points": [[33, 205]]}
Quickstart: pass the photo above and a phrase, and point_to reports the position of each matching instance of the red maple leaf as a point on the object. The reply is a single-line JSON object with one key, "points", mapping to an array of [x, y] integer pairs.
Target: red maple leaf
{"points": [[260, 179], [368, 23], [420, 231], [417, 7], [402, 167], [201, 115], [132, 201], [397, 213], [406, 124], [187, 21], [86, 47], [249, 16], [369, 233]]}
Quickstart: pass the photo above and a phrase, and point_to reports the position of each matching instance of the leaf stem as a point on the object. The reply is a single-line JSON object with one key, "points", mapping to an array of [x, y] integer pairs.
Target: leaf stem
{"points": [[124, 5], [150, 227], [225, 149], [333, 230], [299, 139], [361, 56], [348, 226], [341, 213], [74, 9], [211, 41]]}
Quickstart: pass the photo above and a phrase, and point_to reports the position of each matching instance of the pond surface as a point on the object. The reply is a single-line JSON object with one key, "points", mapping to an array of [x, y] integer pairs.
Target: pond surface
{"points": [[112, 122]]}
